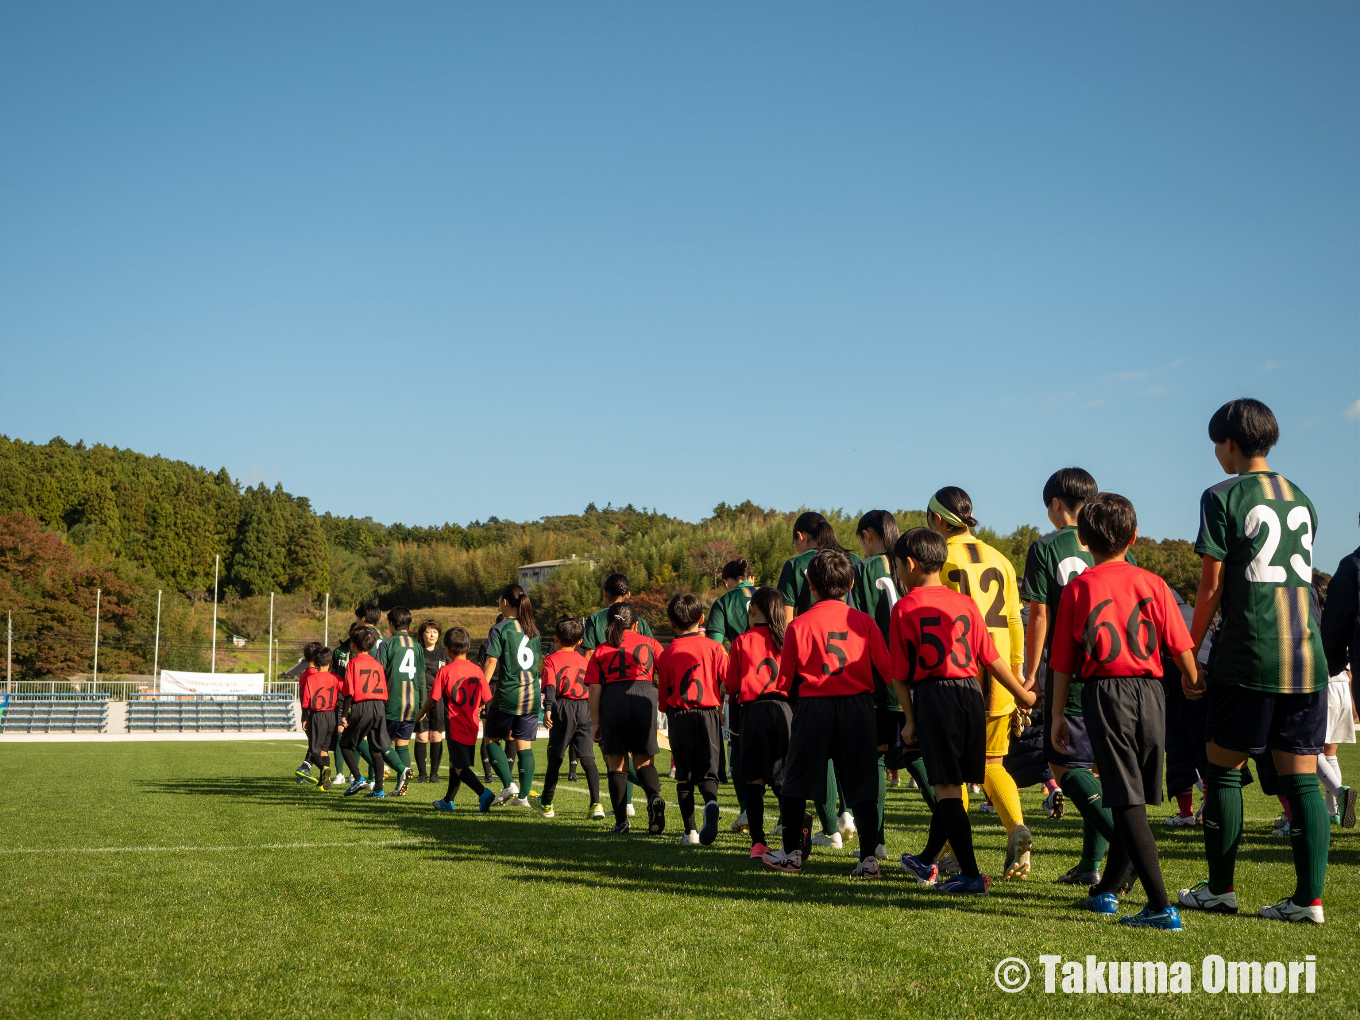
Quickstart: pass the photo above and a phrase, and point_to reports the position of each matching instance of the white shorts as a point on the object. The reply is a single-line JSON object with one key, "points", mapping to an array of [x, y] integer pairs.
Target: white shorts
{"points": [[1340, 722]]}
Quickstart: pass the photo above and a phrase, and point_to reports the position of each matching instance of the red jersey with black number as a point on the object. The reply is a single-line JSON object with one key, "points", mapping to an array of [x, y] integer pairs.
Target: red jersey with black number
{"points": [[364, 679], [632, 660], [753, 666], [692, 670], [463, 686], [565, 670], [1116, 619], [317, 689], [937, 633], [833, 650]]}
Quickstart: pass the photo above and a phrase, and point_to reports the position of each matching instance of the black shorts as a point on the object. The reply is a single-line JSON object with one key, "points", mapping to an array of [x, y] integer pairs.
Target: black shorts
{"points": [[765, 727], [367, 721], [628, 718], [889, 726], [434, 720], [571, 728], [951, 728], [503, 726], [734, 710], [1126, 721], [695, 734], [840, 729], [1079, 754], [461, 756], [400, 729], [1255, 722], [1186, 735], [320, 731]]}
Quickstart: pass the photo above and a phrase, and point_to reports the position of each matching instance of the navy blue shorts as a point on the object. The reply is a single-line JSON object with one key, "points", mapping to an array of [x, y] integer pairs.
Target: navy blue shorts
{"points": [[502, 726], [1080, 756], [1254, 722], [400, 729]]}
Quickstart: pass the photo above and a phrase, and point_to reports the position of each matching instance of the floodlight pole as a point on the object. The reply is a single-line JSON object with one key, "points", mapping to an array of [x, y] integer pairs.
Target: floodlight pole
{"points": [[326, 634], [9, 645], [217, 560], [269, 664], [97, 593], [156, 655]]}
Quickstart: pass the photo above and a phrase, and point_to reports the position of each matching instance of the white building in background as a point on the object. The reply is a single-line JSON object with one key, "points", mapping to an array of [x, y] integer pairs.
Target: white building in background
{"points": [[532, 574]]}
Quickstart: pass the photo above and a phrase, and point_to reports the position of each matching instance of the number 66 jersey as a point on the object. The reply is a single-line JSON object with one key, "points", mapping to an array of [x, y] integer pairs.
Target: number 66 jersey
{"points": [[1260, 526]]}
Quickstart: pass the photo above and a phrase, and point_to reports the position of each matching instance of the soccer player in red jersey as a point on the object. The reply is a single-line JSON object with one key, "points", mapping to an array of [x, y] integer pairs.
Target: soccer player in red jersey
{"points": [[1114, 622], [754, 684], [566, 707], [623, 699], [691, 672], [317, 690], [364, 691], [940, 644], [463, 687], [835, 665]]}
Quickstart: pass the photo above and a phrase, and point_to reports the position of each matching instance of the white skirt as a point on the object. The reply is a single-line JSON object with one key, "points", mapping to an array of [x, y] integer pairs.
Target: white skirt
{"points": [[1340, 722]]}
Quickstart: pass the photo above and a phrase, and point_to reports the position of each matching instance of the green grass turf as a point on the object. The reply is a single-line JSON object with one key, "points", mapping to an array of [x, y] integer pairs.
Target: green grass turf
{"points": [[197, 880]]}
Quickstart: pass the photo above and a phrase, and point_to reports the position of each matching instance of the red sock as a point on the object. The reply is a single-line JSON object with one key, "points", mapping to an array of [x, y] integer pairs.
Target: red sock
{"points": [[1186, 803], [1284, 803], [1050, 785]]}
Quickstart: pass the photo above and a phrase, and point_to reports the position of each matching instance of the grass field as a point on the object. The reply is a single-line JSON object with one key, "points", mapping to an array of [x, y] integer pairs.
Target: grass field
{"points": [[197, 880]]}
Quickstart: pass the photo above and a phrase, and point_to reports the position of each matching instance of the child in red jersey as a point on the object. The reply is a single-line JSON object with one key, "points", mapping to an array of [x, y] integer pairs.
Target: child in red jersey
{"points": [[1114, 622], [623, 699], [364, 690], [566, 713], [755, 685], [463, 687], [317, 691], [691, 671], [834, 665], [940, 644]]}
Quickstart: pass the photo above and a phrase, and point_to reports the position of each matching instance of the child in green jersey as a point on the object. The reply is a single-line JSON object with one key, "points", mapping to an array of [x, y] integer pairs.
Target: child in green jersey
{"points": [[403, 661], [514, 653]]}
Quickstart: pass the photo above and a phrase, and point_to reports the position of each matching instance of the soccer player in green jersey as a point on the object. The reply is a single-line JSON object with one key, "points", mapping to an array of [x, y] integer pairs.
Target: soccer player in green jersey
{"points": [[727, 621], [403, 660], [1267, 675], [514, 651], [1051, 562]]}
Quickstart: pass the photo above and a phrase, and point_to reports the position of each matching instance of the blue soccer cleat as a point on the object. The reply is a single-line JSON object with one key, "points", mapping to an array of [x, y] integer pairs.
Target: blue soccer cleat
{"points": [[355, 787], [925, 873], [962, 885], [1103, 903], [443, 805], [1162, 920], [380, 794], [485, 801]]}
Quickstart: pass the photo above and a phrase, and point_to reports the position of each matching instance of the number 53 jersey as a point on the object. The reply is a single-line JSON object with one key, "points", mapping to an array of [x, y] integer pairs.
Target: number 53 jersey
{"points": [[1260, 526], [1115, 620]]}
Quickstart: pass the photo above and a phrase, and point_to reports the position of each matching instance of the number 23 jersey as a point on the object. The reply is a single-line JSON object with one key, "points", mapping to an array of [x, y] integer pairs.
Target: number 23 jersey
{"points": [[1260, 526]]}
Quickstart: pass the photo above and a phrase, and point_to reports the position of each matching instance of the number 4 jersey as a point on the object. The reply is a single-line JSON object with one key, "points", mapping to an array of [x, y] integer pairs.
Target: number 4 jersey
{"points": [[1260, 526], [1115, 620], [404, 663]]}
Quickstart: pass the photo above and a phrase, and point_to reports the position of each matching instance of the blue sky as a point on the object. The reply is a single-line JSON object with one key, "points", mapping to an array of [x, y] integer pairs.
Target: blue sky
{"points": [[536, 256]]}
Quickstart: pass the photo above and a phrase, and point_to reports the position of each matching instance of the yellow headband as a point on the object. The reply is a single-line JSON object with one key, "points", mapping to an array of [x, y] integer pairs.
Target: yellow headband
{"points": [[945, 514]]}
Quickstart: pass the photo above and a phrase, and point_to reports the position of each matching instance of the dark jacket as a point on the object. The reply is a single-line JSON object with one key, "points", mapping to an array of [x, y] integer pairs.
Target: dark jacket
{"points": [[1341, 615]]}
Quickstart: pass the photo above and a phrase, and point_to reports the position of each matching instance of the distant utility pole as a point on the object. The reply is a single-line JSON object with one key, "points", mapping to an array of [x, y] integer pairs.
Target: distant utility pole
{"points": [[326, 634], [9, 645], [97, 593], [269, 664], [217, 561], [156, 656]]}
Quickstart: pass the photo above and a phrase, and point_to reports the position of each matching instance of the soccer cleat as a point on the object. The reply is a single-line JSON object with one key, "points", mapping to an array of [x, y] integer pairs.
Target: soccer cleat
{"points": [[656, 816], [1075, 877], [672, 774], [831, 839], [1160, 920], [881, 852], [758, 850], [326, 778], [339, 777], [1181, 822], [1345, 802], [948, 865], [355, 787], [572, 777], [867, 868], [1288, 910], [520, 802], [485, 801], [1017, 852], [304, 773], [628, 810], [1198, 897], [507, 794], [1102, 903], [962, 885], [379, 794], [781, 861], [741, 824], [710, 830], [894, 779], [690, 837], [597, 810], [924, 873], [443, 805], [845, 825], [404, 781], [1055, 804], [777, 831], [621, 828], [1281, 826], [986, 808], [546, 810], [368, 783]]}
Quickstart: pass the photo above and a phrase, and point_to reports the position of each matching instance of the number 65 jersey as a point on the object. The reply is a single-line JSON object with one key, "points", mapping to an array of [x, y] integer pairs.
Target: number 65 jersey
{"points": [[1260, 526]]}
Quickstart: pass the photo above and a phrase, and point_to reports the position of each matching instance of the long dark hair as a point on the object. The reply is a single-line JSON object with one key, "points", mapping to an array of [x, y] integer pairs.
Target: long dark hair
{"points": [[621, 617], [771, 606], [884, 525], [817, 528], [524, 610]]}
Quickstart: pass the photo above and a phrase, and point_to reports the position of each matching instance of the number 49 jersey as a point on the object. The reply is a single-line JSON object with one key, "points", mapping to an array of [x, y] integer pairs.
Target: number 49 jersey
{"points": [[1260, 526], [404, 663], [692, 670]]}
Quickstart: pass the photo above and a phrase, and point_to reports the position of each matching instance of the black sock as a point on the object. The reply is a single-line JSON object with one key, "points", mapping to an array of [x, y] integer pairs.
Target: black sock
{"points": [[755, 811], [436, 756], [793, 808], [935, 838], [1116, 865], [959, 832], [455, 781], [684, 793], [351, 761], [708, 789], [422, 751], [866, 821], [470, 780], [1131, 825], [592, 778], [550, 780], [650, 781], [486, 761], [618, 793]]}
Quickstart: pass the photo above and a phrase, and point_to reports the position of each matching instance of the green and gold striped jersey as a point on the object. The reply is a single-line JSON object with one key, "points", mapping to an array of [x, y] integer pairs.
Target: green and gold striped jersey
{"points": [[596, 624], [728, 617], [403, 660], [1260, 526], [519, 658], [793, 582], [868, 597]]}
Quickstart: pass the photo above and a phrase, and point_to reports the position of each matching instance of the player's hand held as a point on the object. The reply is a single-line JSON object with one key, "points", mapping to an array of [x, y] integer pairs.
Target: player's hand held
{"points": [[1194, 689], [1023, 696]]}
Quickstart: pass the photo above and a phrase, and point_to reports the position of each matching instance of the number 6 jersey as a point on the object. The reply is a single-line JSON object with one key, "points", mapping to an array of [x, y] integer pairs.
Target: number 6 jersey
{"points": [[1260, 526]]}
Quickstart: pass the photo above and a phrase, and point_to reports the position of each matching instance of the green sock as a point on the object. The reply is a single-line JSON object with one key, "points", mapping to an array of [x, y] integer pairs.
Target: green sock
{"points": [[1082, 788], [500, 763], [841, 807], [916, 766], [392, 758], [632, 778], [1223, 825], [367, 758], [1093, 847], [882, 797], [404, 753], [826, 808], [526, 771], [1310, 833]]}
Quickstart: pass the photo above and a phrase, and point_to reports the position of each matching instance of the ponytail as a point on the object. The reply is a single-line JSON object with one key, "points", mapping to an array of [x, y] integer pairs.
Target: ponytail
{"points": [[621, 617], [522, 609], [953, 506], [771, 606], [884, 525], [818, 529]]}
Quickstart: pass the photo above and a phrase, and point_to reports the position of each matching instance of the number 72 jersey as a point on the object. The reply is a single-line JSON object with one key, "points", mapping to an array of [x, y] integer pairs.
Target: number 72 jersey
{"points": [[1260, 526]]}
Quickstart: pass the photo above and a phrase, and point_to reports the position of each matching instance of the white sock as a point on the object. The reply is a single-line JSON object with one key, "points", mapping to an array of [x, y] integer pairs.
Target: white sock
{"points": [[1330, 777]]}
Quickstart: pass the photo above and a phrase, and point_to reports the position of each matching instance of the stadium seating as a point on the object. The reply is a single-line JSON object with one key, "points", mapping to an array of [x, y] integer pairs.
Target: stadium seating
{"points": [[162, 714], [56, 713]]}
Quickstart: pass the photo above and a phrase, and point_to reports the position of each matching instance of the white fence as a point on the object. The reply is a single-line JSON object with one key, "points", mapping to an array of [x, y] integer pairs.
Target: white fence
{"points": [[116, 689]]}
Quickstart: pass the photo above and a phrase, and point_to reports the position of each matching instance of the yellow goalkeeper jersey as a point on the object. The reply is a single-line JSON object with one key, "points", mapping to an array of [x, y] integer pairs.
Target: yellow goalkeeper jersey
{"points": [[974, 568]]}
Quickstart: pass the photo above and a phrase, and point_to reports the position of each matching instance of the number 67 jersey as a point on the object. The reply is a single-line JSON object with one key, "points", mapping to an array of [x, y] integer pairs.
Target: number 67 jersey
{"points": [[1260, 526]]}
